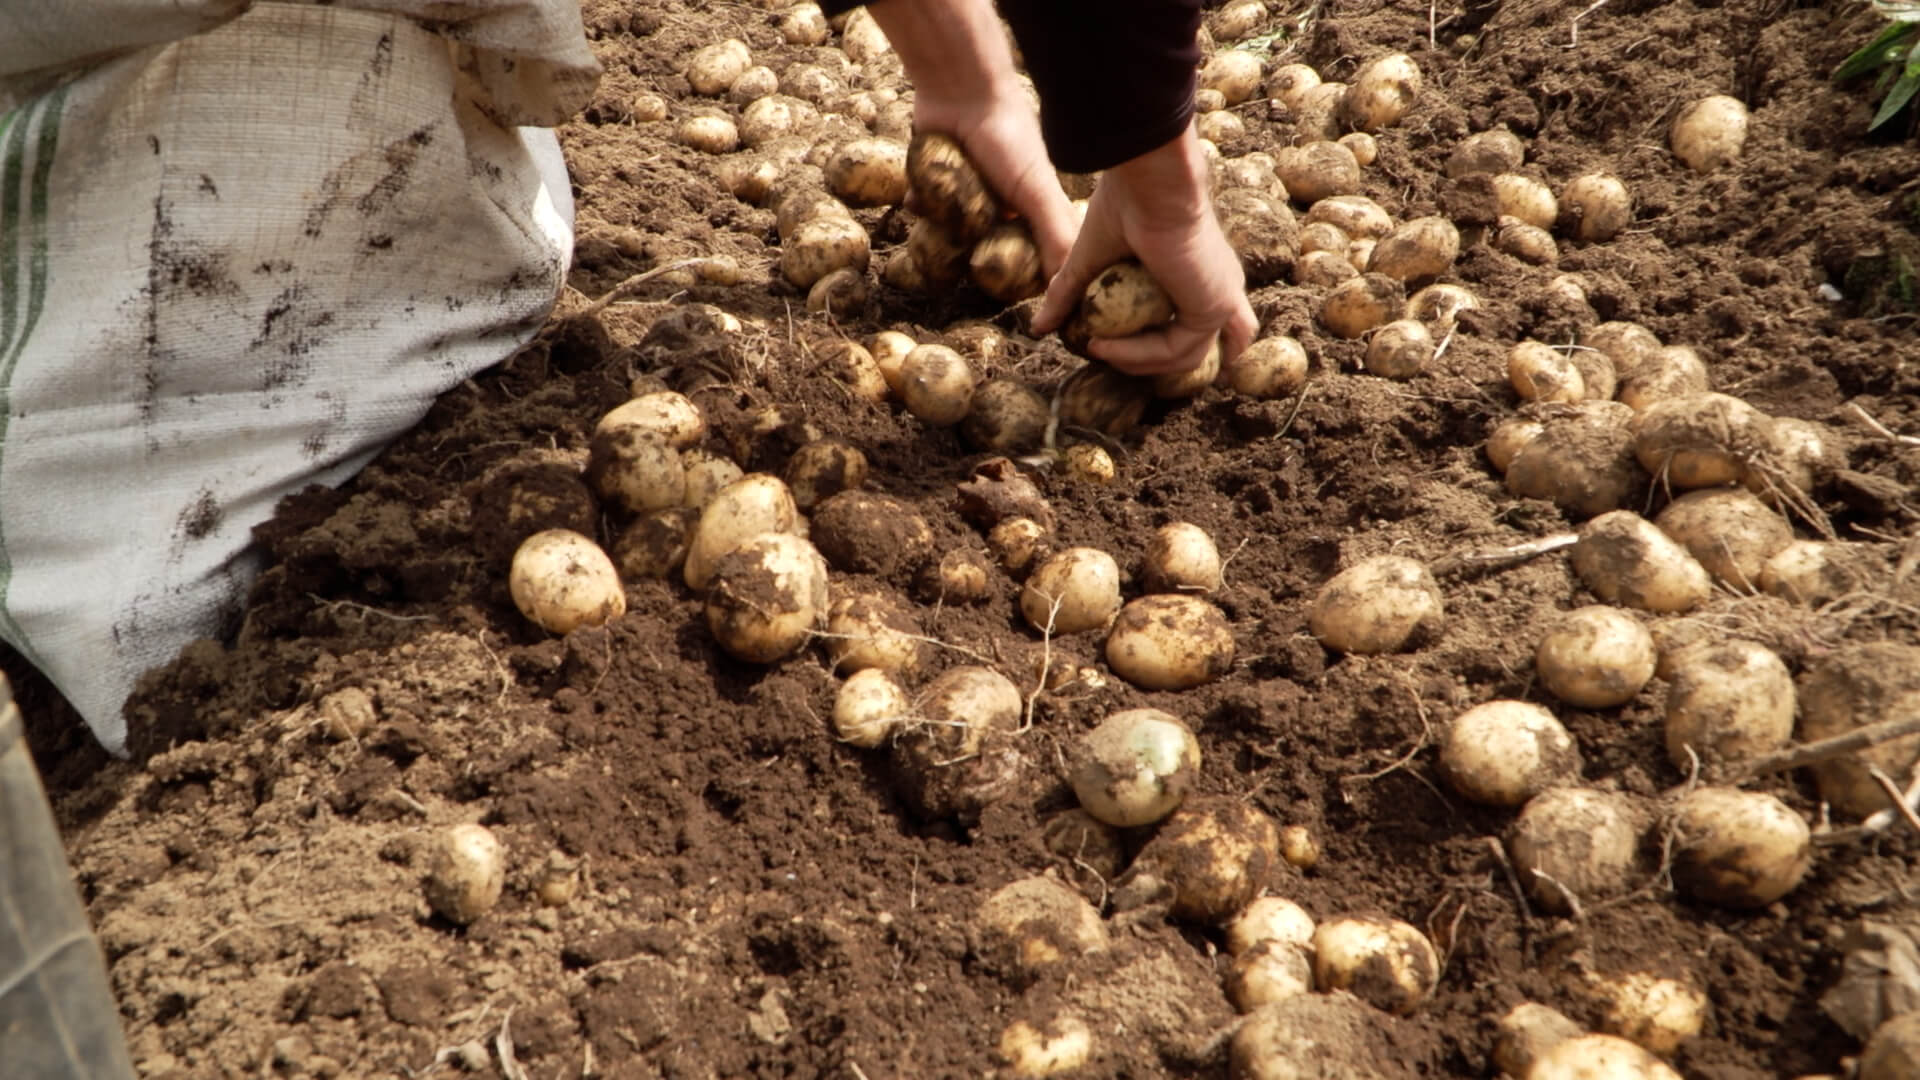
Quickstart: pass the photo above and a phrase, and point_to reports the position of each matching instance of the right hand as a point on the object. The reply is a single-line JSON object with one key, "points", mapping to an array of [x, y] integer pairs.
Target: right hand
{"points": [[1156, 208]]}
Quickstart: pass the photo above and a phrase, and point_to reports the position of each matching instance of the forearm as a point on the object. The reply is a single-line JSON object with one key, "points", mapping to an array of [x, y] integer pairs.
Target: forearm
{"points": [[952, 50]]}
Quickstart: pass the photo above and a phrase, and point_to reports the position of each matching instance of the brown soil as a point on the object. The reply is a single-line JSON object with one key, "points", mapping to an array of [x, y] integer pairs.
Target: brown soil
{"points": [[756, 900]]}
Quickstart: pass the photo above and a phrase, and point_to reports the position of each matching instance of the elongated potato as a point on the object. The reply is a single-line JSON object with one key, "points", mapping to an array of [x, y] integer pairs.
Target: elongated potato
{"points": [[1356, 215], [1700, 440], [1729, 530], [1527, 199], [1626, 559]]}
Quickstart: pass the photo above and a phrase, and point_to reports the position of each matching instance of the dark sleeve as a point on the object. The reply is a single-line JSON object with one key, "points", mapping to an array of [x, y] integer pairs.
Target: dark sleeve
{"points": [[1116, 77]]}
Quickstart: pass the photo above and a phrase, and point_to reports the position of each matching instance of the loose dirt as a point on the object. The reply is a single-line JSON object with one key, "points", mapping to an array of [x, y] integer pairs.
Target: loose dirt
{"points": [[754, 899]]}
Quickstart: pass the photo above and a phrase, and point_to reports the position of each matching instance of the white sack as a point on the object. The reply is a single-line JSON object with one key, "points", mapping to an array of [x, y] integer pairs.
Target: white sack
{"points": [[239, 263]]}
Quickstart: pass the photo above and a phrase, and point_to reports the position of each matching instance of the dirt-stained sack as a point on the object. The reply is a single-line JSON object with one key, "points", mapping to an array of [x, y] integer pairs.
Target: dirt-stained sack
{"points": [[241, 248]]}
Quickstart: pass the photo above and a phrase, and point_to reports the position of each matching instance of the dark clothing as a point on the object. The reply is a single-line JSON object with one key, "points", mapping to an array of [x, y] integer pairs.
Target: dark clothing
{"points": [[1116, 77]]}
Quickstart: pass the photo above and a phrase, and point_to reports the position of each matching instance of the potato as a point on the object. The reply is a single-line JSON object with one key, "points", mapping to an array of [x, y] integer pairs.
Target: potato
{"points": [[1075, 590], [561, 580], [1440, 305], [754, 504], [1233, 72], [1740, 849], [1597, 379], [1595, 207], [1417, 250], [869, 172], [1063, 1046], [1400, 349], [1525, 198], [1529, 244], [1006, 264], [1709, 133], [1729, 530], [795, 205], [810, 84], [1323, 269], [822, 468], [1178, 385], [1206, 862], [1317, 170], [1508, 438], [1502, 753], [1273, 367], [1238, 20], [1169, 641], [948, 188], [1364, 147], [1006, 417], [1580, 461], [957, 755], [1850, 687], [821, 246], [1815, 573], [1252, 173], [1527, 1031], [941, 258], [960, 577], [1384, 604], [465, 873], [861, 532], [1220, 126], [1206, 101], [1181, 557], [1135, 767], [753, 84], [1290, 83], [1595, 657], [1728, 702], [766, 597], [1089, 851], [647, 108], [633, 470], [1599, 1057], [840, 292], [869, 708], [1324, 236], [671, 417], [1357, 305], [1299, 846], [1566, 294], [1318, 115], [1542, 373], [1269, 918], [654, 545], [1356, 215], [1033, 926], [1314, 1037], [1893, 1053], [862, 39], [1088, 463], [804, 24], [1384, 962], [1626, 559], [1494, 152], [873, 630], [889, 349], [1578, 841], [1099, 398], [1018, 543], [937, 385], [1800, 453], [1382, 93], [1700, 440], [1270, 971], [713, 68], [1123, 300]]}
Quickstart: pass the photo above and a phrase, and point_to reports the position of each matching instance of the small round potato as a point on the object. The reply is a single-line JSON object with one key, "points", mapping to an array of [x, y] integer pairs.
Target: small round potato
{"points": [[1530, 244], [1384, 962], [1318, 116], [654, 545], [1659, 1014], [1700, 440], [821, 246], [948, 188], [940, 257], [1220, 126], [466, 873], [805, 24], [1272, 367], [1324, 269], [1595, 207], [774, 117], [1440, 304], [1384, 604], [1850, 687], [1629, 345], [753, 84], [1062, 1047], [1235, 73], [1573, 844], [1100, 398], [1365, 148], [937, 385], [889, 349], [956, 756], [1359, 304], [632, 469], [1124, 300], [798, 204], [1006, 264], [1268, 972], [766, 597], [869, 707], [714, 68], [1269, 918], [1169, 641], [1729, 530], [1035, 925], [1182, 558], [1400, 349], [1177, 385], [1595, 657], [1741, 849], [1313, 1037], [1317, 171], [1494, 151], [1006, 417], [1671, 371], [869, 172], [1135, 767], [1710, 133], [1508, 438], [1207, 861], [1527, 1031], [822, 468], [561, 580], [1540, 372], [1238, 19], [1018, 543], [1324, 236], [1814, 572], [1626, 559], [754, 504], [1074, 591], [1289, 84], [1527, 199], [1502, 753], [873, 630], [1727, 702], [1382, 93]]}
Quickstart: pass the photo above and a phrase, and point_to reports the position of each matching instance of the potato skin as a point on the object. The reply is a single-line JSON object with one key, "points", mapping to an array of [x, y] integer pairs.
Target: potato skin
{"points": [[561, 581], [1169, 641], [1380, 605], [1579, 839], [948, 188], [1626, 559], [1596, 657]]}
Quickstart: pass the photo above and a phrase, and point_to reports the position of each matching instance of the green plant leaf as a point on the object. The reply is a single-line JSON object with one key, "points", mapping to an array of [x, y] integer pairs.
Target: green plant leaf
{"points": [[1878, 53]]}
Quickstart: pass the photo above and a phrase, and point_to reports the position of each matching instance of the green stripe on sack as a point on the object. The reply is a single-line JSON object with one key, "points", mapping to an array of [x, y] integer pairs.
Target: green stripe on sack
{"points": [[16, 325]]}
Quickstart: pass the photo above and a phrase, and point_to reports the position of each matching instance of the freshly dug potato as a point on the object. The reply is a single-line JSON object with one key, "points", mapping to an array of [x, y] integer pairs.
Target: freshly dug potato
{"points": [[1727, 702], [1033, 926], [1740, 849], [1502, 753], [1088, 851], [632, 469], [948, 188], [1207, 861], [1063, 1046], [1382, 93], [1235, 73], [1595, 207], [1540, 372], [1510, 436], [1365, 147], [1238, 20], [937, 385], [713, 68], [1314, 1037], [1578, 841], [805, 82], [1317, 170], [862, 39], [654, 545], [1440, 304], [1324, 236], [1075, 590], [1417, 250], [1629, 345], [797, 204], [804, 24], [1290, 83], [561, 580], [1626, 559], [1253, 172], [1006, 417], [1124, 300], [822, 468], [1801, 452], [960, 577], [1273, 367], [1814, 573], [873, 630], [869, 708], [853, 365], [1169, 641], [1527, 1031], [889, 349], [1323, 269], [775, 117], [869, 172], [1384, 962], [1006, 264], [1597, 378], [766, 597], [940, 257], [1850, 687], [1018, 543], [1729, 530], [1100, 398], [1178, 385], [1385, 604], [1599, 1057], [1710, 133], [1493, 152], [1893, 1053], [1135, 767], [671, 417], [647, 108], [1181, 557], [754, 504], [1268, 972], [957, 755], [1359, 304], [1317, 118], [753, 84], [1700, 440], [1581, 462], [862, 532], [1670, 372], [466, 873], [1525, 198], [1299, 846], [1220, 126], [1270, 918], [749, 178], [821, 246], [1400, 349], [1261, 230], [1529, 244], [1356, 215], [1595, 657], [1658, 1014]]}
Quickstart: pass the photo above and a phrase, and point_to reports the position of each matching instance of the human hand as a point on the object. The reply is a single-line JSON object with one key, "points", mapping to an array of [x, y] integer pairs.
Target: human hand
{"points": [[1156, 208]]}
